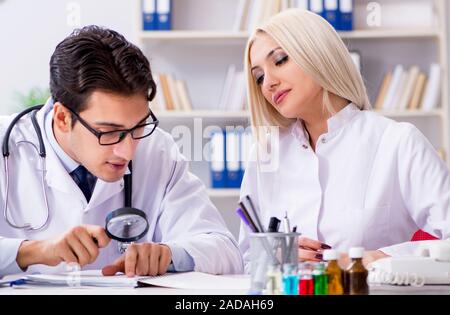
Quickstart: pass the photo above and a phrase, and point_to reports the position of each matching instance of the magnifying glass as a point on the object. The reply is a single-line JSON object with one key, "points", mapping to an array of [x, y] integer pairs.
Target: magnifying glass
{"points": [[126, 225]]}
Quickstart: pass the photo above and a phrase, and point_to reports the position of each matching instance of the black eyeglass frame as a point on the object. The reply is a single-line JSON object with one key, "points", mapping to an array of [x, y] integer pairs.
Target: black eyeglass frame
{"points": [[123, 132]]}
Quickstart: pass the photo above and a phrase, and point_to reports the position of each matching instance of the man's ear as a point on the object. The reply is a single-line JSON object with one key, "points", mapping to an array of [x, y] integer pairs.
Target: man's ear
{"points": [[62, 118]]}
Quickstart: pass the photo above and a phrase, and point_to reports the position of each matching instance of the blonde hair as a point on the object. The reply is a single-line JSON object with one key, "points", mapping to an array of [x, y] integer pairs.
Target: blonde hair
{"points": [[314, 45]]}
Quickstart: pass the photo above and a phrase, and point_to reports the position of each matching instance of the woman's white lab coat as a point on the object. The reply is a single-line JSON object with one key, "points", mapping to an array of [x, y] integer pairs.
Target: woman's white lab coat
{"points": [[175, 202], [372, 182]]}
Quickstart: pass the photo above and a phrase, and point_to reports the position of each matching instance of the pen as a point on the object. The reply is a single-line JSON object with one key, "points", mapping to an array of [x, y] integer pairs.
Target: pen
{"points": [[244, 218], [17, 282], [287, 229], [274, 225], [252, 224], [252, 208], [286, 224]]}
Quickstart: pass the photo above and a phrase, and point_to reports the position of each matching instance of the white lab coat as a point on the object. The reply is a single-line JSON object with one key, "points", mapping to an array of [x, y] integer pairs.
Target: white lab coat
{"points": [[175, 202], [372, 182]]}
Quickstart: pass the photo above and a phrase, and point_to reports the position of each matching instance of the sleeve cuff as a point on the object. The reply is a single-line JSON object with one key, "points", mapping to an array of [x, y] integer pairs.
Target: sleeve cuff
{"points": [[181, 260], [9, 247], [404, 249]]}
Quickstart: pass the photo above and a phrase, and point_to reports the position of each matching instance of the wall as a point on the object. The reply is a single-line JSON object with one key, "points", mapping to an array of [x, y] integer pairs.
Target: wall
{"points": [[30, 30]]}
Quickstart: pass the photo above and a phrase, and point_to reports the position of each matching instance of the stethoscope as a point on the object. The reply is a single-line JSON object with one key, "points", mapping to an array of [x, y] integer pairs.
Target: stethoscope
{"points": [[125, 225]]}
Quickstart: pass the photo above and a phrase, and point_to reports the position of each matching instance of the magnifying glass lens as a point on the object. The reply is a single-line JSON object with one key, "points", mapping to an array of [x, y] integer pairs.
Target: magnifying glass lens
{"points": [[126, 225]]}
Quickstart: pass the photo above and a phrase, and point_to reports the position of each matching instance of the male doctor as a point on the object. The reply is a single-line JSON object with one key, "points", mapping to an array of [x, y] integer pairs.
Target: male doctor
{"points": [[95, 123]]}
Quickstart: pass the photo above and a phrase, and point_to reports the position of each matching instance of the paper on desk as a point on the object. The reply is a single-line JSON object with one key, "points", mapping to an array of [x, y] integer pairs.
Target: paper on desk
{"points": [[185, 280], [83, 278], [199, 280]]}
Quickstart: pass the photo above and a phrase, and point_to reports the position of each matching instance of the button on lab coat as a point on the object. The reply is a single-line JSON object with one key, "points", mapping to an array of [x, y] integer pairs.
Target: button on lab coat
{"points": [[372, 182], [178, 209]]}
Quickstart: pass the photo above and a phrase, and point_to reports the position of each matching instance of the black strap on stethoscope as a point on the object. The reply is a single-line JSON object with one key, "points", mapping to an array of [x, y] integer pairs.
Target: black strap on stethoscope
{"points": [[5, 145], [128, 182]]}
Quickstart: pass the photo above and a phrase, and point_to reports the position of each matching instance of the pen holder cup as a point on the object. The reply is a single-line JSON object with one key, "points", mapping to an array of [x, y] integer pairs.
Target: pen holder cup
{"points": [[271, 251]]}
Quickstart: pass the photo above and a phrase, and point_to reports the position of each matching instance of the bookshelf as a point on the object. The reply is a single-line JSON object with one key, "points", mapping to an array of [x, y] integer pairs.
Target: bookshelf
{"points": [[243, 36], [200, 47]]}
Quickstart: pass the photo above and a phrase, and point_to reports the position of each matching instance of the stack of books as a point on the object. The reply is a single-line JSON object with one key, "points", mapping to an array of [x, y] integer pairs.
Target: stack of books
{"points": [[233, 97], [410, 89], [172, 94]]}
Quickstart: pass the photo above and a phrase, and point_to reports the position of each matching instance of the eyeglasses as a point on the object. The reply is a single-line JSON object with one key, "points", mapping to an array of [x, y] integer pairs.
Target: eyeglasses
{"points": [[140, 131]]}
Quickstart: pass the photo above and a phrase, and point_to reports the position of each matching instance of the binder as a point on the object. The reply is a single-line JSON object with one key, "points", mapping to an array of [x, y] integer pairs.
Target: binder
{"points": [[346, 15], [164, 14], [245, 143], [232, 159], [316, 6], [217, 164], [149, 15], [331, 12]]}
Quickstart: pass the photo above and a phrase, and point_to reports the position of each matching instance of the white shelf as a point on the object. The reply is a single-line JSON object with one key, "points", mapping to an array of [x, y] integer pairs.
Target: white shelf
{"points": [[183, 35], [190, 35], [411, 113], [391, 33], [223, 193]]}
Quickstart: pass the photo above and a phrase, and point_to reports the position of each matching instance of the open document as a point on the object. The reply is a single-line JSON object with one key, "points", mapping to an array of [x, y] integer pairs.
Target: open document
{"points": [[185, 280]]}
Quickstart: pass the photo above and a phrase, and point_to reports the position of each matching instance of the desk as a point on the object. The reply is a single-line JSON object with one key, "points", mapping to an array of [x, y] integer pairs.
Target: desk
{"points": [[28, 290], [42, 290]]}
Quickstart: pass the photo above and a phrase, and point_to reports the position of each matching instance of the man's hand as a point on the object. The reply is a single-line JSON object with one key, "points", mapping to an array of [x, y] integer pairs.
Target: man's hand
{"points": [[80, 245], [310, 250], [142, 260]]}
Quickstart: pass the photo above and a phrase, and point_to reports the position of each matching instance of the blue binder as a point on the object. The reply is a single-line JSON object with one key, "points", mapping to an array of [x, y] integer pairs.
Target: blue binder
{"points": [[149, 15], [346, 15], [316, 6], [164, 14], [232, 154], [217, 160], [245, 144], [331, 12]]}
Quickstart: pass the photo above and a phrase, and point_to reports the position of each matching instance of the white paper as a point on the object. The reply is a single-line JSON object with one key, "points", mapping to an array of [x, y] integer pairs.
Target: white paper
{"points": [[185, 280], [83, 278], [200, 281]]}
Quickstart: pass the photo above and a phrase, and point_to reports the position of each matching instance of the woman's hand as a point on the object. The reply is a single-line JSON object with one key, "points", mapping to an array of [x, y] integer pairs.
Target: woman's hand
{"points": [[310, 250]]}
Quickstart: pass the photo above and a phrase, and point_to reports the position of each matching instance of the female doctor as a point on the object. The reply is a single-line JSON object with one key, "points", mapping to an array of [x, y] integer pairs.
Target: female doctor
{"points": [[345, 175], [97, 121]]}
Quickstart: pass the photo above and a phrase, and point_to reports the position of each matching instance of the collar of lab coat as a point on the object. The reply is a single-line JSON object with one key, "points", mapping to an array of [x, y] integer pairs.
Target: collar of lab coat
{"points": [[335, 123], [58, 178]]}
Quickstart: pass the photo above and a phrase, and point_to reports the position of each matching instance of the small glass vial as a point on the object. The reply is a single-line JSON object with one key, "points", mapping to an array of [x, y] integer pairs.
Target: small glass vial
{"points": [[273, 285], [290, 279], [306, 281], [334, 273], [356, 274], [320, 279]]}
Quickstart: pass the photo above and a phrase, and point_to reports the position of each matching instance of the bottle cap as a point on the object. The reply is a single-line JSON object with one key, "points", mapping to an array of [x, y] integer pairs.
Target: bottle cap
{"points": [[356, 252], [330, 254]]}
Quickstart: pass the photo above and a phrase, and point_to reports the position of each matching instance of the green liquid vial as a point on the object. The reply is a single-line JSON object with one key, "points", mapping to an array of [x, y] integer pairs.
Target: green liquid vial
{"points": [[320, 279]]}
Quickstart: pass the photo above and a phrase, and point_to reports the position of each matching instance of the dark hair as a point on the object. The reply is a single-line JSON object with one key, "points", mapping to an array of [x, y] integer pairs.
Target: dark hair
{"points": [[94, 58]]}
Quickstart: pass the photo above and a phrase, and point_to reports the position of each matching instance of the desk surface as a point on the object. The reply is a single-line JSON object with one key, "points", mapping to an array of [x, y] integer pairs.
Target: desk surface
{"points": [[42, 290]]}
